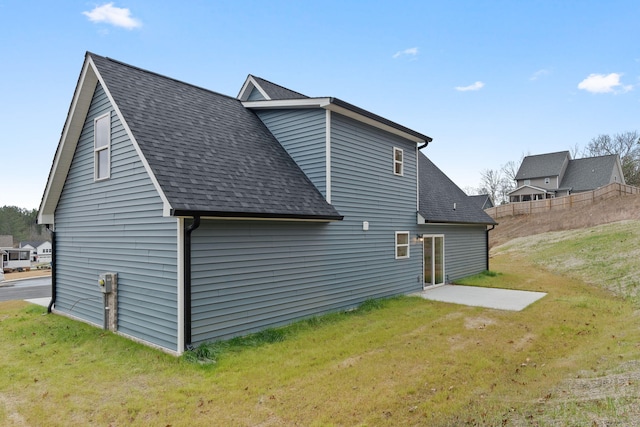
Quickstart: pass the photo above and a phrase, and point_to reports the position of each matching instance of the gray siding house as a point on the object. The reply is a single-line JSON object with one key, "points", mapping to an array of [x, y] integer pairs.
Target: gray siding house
{"points": [[550, 175], [222, 216]]}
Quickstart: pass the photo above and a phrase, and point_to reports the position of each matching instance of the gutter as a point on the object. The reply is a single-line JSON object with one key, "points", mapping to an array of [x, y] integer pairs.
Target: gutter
{"points": [[187, 280], [53, 270], [487, 244]]}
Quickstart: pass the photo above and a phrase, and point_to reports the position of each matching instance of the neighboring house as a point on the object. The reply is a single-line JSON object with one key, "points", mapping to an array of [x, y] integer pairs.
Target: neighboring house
{"points": [[40, 251], [482, 200], [550, 175], [222, 216], [15, 258]]}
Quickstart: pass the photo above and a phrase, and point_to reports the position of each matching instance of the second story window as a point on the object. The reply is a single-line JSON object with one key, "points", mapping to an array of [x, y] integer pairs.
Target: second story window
{"points": [[398, 157], [527, 182], [101, 146]]}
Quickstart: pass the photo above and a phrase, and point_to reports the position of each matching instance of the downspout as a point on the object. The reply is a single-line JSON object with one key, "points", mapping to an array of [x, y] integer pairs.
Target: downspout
{"points": [[53, 270], [424, 145], [487, 244], [187, 280]]}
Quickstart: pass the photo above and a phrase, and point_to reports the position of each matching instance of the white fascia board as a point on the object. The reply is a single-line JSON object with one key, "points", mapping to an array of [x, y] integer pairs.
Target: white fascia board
{"points": [[327, 104], [166, 209], [68, 141], [288, 103], [248, 86], [372, 122]]}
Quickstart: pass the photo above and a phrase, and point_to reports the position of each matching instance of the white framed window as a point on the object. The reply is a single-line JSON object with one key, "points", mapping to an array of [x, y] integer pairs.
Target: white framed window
{"points": [[527, 182], [402, 244], [102, 146], [398, 161]]}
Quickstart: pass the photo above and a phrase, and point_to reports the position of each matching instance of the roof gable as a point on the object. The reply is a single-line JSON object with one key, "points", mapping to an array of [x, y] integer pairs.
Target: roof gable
{"points": [[207, 154], [542, 165], [589, 173], [442, 201], [268, 90]]}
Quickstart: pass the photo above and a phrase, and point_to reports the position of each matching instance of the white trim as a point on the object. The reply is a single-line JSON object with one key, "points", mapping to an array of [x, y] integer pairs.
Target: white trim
{"points": [[180, 285], [444, 252], [327, 157], [398, 245], [326, 104], [396, 162], [374, 123], [288, 103], [97, 150], [248, 86], [68, 141], [167, 206]]}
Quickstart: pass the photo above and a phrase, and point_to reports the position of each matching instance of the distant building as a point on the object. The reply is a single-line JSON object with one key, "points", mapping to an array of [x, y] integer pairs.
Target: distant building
{"points": [[546, 176], [483, 200], [40, 250]]}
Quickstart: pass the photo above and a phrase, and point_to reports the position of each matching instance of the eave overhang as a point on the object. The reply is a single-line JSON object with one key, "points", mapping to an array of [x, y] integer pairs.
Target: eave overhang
{"points": [[341, 107], [187, 213]]}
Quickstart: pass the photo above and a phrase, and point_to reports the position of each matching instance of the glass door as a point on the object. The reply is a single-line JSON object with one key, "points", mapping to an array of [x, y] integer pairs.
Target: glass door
{"points": [[433, 250]]}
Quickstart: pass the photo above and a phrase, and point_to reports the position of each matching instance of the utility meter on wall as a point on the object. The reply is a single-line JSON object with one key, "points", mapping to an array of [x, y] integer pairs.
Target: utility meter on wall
{"points": [[107, 281]]}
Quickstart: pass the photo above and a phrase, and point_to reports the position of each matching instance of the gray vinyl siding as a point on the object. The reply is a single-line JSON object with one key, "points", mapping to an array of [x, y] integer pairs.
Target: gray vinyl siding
{"points": [[255, 95], [303, 134], [116, 226], [248, 275], [464, 249]]}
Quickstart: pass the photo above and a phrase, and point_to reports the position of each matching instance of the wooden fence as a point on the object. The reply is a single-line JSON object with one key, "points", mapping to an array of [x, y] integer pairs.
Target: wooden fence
{"points": [[574, 200]]}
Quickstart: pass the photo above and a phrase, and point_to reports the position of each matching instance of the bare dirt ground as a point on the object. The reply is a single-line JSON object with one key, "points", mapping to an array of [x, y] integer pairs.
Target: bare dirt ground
{"points": [[603, 212]]}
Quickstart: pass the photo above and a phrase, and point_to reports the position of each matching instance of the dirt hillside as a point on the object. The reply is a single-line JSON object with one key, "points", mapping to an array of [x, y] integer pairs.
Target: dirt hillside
{"points": [[606, 211]]}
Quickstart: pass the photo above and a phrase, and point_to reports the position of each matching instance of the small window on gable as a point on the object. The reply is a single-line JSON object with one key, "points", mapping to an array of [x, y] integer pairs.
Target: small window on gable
{"points": [[402, 244], [398, 166], [527, 182], [102, 146]]}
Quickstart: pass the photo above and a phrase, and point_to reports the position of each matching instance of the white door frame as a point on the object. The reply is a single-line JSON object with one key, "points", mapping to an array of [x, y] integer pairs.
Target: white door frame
{"points": [[433, 260]]}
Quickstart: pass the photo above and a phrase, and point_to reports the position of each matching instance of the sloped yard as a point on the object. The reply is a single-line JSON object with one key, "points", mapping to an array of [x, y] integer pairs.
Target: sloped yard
{"points": [[569, 359]]}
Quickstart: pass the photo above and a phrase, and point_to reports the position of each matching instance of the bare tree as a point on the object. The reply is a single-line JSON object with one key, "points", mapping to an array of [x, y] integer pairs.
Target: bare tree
{"points": [[626, 145], [491, 182]]}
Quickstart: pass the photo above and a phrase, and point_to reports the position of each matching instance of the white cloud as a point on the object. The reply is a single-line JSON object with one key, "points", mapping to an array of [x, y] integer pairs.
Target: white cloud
{"points": [[600, 83], [475, 86], [539, 74], [412, 51], [109, 14]]}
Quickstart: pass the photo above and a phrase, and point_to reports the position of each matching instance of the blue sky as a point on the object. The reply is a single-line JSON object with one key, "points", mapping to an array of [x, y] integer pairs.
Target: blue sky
{"points": [[488, 80]]}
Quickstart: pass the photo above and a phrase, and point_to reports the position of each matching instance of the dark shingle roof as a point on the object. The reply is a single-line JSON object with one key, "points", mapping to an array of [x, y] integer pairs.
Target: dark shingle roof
{"points": [[276, 91], [438, 194], [482, 200], [542, 165], [210, 155], [589, 173]]}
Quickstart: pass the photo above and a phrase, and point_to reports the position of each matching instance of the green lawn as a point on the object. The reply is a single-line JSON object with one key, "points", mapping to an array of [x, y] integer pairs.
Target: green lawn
{"points": [[404, 361]]}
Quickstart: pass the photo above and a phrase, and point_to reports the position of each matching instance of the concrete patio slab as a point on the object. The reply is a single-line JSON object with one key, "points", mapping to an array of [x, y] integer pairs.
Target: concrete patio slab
{"points": [[500, 299], [40, 301]]}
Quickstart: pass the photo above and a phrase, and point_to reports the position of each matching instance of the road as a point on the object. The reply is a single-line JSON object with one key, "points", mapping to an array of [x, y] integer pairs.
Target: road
{"points": [[37, 287]]}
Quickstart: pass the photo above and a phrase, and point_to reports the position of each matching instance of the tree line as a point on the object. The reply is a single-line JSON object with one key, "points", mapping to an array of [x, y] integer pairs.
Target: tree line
{"points": [[21, 224], [498, 183]]}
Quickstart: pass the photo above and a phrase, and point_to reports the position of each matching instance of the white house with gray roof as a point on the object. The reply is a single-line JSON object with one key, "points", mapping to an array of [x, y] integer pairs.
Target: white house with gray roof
{"points": [[550, 175], [196, 216]]}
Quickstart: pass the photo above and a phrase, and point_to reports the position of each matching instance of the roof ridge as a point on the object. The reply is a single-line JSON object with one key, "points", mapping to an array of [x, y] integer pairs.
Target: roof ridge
{"points": [[159, 75]]}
